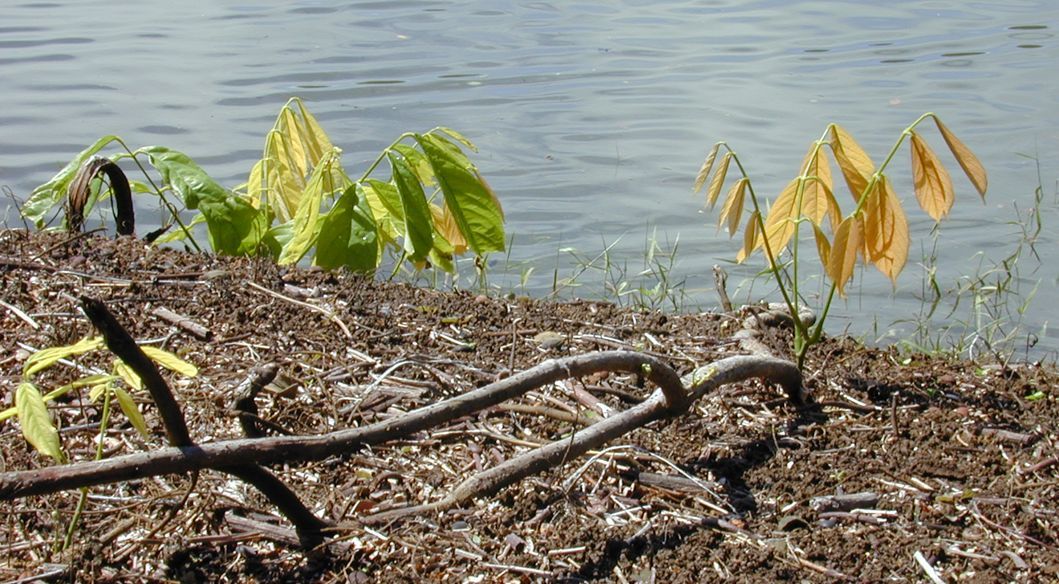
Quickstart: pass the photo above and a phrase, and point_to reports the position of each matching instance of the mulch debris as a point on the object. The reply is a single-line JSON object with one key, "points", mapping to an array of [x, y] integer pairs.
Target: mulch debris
{"points": [[906, 468]]}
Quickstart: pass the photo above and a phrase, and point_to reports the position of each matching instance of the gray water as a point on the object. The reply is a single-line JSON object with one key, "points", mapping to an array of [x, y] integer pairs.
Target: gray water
{"points": [[592, 117]]}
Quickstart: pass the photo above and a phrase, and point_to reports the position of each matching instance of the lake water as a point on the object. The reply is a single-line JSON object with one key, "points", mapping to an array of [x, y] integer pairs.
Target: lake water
{"points": [[592, 117]]}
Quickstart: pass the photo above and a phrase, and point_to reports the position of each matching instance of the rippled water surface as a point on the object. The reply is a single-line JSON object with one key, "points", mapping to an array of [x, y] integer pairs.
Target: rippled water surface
{"points": [[592, 117]]}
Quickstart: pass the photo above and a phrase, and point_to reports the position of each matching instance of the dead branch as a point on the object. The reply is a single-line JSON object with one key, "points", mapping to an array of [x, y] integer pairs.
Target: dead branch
{"points": [[245, 458]]}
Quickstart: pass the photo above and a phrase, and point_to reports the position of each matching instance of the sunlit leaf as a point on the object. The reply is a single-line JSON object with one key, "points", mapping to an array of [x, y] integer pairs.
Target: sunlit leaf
{"points": [[47, 357], [419, 163], [469, 199], [817, 199], [707, 166], [317, 142], [459, 138], [386, 208], [36, 424], [714, 189], [128, 405], [445, 224], [823, 246], [61, 391], [324, 182], [732, 211], [419, 226], [856, 165], [886, 239], [780, 223], [970, 164], [750, 237], [842, 257], [47, 195], [233, 225], [932, 182], [348, 235], [128, 375], [170, 361]]}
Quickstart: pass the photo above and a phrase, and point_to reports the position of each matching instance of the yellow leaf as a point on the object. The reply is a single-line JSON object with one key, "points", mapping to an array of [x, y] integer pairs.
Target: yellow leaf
{"points": [[45, 358], [817, 199], [128, 405], [780, 225], [170, 361], [842, 258], [718, 181], [856, 165], [445, 224], [33, 417], [707, 166], [749, 237], [885, 230], [823, 246], [733, 206], [968, 161], [128, 375], [932, 182]]}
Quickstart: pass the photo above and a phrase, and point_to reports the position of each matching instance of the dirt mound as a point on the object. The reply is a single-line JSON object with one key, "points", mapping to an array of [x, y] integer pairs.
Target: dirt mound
{"points": [[902, 466]]}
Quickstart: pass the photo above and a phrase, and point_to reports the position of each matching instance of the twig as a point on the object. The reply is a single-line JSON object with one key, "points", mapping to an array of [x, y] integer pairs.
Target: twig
{"points": [[329, 314], [196, 329], [929, 570]]}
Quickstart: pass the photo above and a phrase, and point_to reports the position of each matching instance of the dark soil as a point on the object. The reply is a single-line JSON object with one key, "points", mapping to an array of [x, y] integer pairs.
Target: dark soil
{"points": [[957, 461]]}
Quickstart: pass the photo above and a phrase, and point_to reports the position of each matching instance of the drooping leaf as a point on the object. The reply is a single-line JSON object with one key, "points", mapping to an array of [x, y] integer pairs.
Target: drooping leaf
{"points": [[446, 226], [459, 138], [780, 223], [45, 358], [714, 189], [47, 195], [419, 226], [856, 165], [704, 170], [817, 199], [823, 246], [128, 405], [36, 424], [970, 164], [317, 142], [842, 257], [234, 226], [61, 391], [473, 205], [386, 208], [418, 162], [932, 182], [348, 235], [886, 238], [732, 211], [324, 182], [128, 375], [750, 237], [170, 361]]}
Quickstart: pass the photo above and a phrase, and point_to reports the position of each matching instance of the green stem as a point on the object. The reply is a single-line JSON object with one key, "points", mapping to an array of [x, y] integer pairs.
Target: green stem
{"points": [[83, 498], [173, 212]]}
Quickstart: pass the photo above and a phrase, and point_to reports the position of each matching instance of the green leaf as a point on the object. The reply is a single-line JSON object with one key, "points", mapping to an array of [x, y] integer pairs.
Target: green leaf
{"points": [[459, 138], [386, 208], [47, 195], [348, 236], [36, 424], [419, 163], [472, 203], [128, 405], [47, 357], [170, 361], [418, 223], [234, 225]]}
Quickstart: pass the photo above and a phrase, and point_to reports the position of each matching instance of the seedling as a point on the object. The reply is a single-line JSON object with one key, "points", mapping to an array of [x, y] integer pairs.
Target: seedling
{"points": [[875, 232]]}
